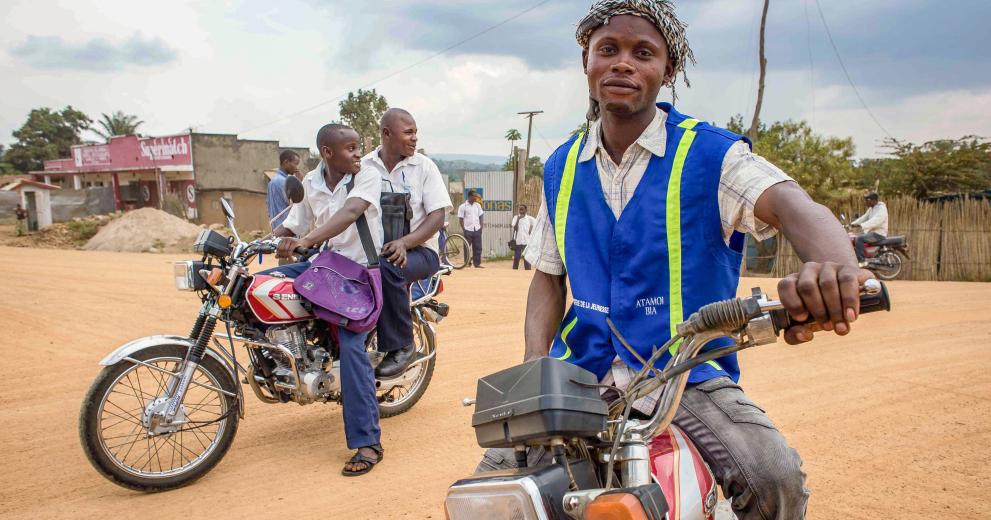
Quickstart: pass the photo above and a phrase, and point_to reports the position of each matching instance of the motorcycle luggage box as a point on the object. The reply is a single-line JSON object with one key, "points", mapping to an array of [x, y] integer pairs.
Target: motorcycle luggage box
{"points": [[535, 401]]}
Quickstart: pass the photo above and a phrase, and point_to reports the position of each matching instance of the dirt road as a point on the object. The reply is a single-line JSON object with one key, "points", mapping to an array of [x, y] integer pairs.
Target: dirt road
{"points": [[893, 421]]}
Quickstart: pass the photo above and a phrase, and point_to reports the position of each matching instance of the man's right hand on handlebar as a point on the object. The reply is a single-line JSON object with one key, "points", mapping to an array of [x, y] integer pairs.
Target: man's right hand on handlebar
{"points": [[826, 293], [287, 246]]}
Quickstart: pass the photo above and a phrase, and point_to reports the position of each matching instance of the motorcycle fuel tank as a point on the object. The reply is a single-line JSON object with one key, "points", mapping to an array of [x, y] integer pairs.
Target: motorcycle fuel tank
{"points": [[687, 482], [273, 300]]}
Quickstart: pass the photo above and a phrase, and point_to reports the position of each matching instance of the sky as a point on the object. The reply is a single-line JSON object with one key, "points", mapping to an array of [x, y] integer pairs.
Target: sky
{"points": [[277, 70]]}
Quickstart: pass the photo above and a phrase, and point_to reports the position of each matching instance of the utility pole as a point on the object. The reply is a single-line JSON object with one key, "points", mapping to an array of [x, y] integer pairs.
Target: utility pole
{"points": [[526, 157], [752, 134]]}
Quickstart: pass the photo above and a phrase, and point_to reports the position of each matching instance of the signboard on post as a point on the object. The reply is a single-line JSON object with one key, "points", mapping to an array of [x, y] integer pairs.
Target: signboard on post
{"points": [[128, 152]]}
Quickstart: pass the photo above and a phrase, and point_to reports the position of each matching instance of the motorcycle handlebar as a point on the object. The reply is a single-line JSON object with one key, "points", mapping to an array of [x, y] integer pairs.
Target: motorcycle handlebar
{"points": [[874, 298], [306, 253]]}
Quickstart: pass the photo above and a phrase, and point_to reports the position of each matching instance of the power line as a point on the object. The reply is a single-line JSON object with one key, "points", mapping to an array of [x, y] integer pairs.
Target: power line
{"points": [[845, 72], [812, 70], [404, 69]]}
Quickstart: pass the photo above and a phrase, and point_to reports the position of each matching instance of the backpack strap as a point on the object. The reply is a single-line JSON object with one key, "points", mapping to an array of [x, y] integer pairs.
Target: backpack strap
{"points": [[363, 232]]}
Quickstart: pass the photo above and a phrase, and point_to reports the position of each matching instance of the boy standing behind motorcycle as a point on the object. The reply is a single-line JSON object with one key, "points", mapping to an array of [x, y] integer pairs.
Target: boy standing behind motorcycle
{"points": [[327, 216]]}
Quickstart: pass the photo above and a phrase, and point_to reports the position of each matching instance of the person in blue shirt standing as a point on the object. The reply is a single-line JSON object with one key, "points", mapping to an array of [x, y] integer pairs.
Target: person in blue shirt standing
{"points": [[643, 218], [276, 199]]}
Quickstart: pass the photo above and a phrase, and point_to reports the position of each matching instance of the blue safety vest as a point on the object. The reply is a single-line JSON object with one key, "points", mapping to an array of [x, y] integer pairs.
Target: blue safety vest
{"points": [[659, 262]]}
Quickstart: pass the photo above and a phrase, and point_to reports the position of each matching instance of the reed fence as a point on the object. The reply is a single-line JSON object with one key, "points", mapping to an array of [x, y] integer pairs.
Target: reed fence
{"points": [[948, 240]]}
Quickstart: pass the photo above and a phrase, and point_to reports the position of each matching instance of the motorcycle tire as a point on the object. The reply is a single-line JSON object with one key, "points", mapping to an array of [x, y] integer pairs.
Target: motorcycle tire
{"points": [[891, 265], [408, 400], [105, 461], [420, 387]]}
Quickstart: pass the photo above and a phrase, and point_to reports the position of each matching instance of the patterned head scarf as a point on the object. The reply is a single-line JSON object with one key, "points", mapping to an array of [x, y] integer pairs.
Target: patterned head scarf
{"points": [[658, 12]]}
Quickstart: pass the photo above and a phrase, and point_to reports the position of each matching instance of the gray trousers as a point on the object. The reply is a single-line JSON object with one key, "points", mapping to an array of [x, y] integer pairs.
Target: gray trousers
{"points": [[751, 460]]}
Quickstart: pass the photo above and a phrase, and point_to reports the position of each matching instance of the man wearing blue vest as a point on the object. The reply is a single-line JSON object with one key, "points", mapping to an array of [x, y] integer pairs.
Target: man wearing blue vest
{"points": [[644, 217]]}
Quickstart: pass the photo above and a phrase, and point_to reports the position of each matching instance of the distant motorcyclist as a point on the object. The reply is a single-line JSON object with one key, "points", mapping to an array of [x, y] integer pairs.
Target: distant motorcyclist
{"points": [[874, 224]]}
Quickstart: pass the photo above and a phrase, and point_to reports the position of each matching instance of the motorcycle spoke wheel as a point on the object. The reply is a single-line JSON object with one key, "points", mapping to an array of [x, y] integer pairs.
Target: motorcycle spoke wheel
{"points": [[888, 265], [125, 437], [397, 399]]}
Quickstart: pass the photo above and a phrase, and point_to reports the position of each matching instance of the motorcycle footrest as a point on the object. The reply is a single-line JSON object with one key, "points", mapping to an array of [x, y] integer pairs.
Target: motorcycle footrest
{"points": [[440, 308]]}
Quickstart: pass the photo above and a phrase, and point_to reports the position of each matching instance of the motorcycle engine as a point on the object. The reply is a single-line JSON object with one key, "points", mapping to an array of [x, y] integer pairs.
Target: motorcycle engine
{"points": [[304, 375]]}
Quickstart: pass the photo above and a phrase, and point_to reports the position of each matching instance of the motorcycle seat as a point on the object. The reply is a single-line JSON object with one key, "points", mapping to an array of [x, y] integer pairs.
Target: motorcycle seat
{"points": [[892, 241]]}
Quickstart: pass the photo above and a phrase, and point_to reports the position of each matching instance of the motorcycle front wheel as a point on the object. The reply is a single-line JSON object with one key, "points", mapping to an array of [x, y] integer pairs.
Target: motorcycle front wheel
{"points": [[120, 437], [887, 265]]}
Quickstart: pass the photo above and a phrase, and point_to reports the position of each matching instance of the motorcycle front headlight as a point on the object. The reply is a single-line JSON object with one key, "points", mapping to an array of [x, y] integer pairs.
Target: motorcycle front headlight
{"points": [[515, 498], [187, 277]]}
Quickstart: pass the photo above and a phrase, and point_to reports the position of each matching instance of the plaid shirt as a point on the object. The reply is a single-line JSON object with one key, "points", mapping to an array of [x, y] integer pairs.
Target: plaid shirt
{"points": [[743, 179]]}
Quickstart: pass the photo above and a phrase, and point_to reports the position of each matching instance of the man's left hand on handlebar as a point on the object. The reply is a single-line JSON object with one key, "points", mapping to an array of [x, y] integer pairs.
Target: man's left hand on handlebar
{"points": [[827, 293]]}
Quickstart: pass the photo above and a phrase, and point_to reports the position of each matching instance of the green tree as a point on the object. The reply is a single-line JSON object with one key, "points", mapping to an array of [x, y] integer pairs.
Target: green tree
{"points": [[5, 167], [46, 135], [820, 164], [534, 167], [513, 135], [582, 127], [117, 123], [362, 111], [932, 168]]}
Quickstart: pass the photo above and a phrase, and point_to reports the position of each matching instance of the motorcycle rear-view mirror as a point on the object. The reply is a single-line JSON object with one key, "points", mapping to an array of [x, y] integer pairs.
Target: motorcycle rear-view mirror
{"points": [[228, 210], [294, 189]]}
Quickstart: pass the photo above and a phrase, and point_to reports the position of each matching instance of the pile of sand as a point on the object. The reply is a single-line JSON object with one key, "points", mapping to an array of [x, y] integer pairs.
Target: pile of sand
{"points": [[145, 229]]}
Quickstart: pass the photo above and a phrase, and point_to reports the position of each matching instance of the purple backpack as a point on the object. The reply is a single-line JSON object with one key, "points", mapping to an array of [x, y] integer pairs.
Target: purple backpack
{"points": [[342, 291]]}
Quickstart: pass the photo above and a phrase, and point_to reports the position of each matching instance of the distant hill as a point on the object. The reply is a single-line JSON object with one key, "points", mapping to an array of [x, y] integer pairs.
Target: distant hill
{"points": [[456, 168], [480, 159]]}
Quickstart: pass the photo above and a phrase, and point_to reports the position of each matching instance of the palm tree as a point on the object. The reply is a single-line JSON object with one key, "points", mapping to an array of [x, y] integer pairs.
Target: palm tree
{"points": [[117, 123], [512, 135]]}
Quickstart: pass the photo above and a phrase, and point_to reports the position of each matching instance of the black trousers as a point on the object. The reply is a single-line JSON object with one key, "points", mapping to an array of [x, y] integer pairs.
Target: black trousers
{"points": [[517, 254], [475, 239], [395, 325]]}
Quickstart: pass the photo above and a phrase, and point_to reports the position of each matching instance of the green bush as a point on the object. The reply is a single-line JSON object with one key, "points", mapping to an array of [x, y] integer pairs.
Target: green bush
{"points": [[83, 230]]}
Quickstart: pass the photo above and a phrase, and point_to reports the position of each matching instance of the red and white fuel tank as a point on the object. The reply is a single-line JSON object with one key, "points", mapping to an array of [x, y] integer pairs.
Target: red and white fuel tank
{"points": [[686, 480], [273, 300]]}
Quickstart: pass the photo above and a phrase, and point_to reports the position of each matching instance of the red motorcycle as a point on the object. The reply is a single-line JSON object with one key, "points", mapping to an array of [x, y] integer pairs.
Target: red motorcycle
{"points": [[884, 258], [164, 410], [607, 465]]}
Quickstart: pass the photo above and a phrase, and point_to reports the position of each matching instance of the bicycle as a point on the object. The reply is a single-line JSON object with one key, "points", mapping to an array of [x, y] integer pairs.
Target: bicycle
{"points": [[457, 251]]}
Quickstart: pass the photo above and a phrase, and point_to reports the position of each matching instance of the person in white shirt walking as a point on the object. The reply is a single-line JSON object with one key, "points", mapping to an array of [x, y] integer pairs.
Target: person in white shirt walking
{"points": [[411, 254], [874, 224], [471, 216], [522, 226], [335, 196]]}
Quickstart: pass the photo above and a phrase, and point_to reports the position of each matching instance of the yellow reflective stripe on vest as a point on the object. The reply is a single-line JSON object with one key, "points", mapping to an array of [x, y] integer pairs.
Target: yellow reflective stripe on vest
{"points": [[564, 338], [564, 197], [673, 219]]}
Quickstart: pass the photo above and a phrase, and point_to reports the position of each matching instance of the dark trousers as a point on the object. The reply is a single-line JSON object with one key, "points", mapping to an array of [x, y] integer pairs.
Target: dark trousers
{"points": [[361, 408], [749, 457], [866, 238], [517, 254], [395, 326], [475, 239]]}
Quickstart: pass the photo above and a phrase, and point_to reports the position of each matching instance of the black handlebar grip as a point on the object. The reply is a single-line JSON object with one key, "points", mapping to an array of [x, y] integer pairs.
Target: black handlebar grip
{"points": [[305, 253], [878, 301]]}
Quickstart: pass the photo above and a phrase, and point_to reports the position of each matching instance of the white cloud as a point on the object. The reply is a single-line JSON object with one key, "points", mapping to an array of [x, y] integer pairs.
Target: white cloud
{"points": [[239, 65]]}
